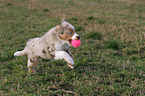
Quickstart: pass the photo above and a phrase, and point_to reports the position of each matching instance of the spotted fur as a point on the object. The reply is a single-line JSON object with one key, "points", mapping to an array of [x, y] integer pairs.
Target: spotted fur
{"points": [[52, 45]]}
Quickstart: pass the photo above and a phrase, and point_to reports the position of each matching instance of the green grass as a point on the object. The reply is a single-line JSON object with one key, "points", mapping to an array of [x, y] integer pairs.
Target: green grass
{"points": [[109, 62]]}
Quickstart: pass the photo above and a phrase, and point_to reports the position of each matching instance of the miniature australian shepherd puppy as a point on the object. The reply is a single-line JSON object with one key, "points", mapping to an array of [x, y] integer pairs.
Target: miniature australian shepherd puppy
{"points": [[53, 45]]}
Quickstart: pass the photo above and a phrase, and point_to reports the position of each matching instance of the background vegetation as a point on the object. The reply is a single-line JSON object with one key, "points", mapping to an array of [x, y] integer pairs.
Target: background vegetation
{"points": [[110, 61]]}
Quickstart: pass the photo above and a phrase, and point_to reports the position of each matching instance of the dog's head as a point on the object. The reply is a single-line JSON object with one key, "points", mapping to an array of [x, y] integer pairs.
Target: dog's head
{"points": [[67, 32]]}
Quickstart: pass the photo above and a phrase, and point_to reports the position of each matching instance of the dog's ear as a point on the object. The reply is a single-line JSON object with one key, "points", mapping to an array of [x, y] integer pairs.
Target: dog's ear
{"points": [[63, 20], [64, 23]]}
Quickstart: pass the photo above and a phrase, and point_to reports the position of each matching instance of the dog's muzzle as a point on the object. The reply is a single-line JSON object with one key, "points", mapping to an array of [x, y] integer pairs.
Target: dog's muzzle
{"points": [[78, 37], [75, 37]]}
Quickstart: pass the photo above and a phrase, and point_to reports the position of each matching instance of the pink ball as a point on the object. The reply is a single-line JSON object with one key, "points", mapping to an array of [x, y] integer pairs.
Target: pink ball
{"points": [[76, 43]]}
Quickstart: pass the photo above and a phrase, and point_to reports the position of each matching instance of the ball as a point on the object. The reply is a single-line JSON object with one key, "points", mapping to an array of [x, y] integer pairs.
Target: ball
{"points": [[76, 43]]}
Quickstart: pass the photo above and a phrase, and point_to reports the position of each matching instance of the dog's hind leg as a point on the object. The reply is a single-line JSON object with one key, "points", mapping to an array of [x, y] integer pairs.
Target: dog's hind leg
{"points": [[64, 55], [31, 64]]}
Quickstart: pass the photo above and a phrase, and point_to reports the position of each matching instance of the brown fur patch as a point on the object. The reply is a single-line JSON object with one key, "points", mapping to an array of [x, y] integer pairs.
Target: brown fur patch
{"points": [[71, 30], [38, 57], [31, 61], [68, 33], [43, 51], [48, 51], [52, 55], [78, 37], [48, 47], [66, 36]]}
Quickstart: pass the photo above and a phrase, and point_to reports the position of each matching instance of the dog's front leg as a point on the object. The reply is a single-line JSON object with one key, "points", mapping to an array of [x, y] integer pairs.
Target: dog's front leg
{"points": [[64, 55], [68, 51]]}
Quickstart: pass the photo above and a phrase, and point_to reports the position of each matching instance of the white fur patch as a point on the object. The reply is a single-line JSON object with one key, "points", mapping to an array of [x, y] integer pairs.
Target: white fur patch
{"points": [[75, 36], [63, 55], [72, 26], [16, 53], [71, 66], [20, 53]]}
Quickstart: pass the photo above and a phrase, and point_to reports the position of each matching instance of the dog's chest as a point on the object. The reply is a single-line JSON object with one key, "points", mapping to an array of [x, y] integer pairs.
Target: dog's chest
{"points": [[61, 46]]}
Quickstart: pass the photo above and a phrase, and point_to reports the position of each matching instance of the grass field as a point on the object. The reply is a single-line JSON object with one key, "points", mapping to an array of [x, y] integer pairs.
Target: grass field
{"points": [[110, 61]]}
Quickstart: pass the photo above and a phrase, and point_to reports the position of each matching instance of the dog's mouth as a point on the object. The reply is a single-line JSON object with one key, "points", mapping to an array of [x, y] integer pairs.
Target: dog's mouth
{"points": [[69, 42]]}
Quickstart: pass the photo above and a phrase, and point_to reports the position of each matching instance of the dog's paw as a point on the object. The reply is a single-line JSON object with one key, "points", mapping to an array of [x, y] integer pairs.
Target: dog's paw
{"points": [[31, 71], [71, 66], [16, 53]]}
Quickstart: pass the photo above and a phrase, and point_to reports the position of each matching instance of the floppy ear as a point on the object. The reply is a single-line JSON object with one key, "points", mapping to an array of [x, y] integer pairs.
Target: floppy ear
{"points": [[63, 20]]}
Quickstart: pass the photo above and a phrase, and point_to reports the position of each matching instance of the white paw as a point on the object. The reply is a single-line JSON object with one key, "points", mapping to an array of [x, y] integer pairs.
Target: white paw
{"points": [[16, 54], [71, 66]]}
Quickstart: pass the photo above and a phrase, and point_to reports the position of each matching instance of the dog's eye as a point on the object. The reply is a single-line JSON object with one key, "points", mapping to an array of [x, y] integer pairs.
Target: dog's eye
{"points": [[71, 33]]}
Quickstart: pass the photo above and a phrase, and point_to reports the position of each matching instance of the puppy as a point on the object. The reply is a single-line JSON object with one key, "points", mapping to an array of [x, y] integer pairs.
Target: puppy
{"points": [[52, 45]]}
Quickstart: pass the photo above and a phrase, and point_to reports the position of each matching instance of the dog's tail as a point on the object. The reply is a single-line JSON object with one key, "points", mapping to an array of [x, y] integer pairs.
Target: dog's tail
{"points": [[20, 53]]}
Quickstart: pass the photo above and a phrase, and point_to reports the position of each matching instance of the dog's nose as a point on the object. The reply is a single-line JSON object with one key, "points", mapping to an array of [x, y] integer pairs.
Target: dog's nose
{"points": [[78, 37]]}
